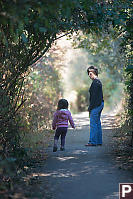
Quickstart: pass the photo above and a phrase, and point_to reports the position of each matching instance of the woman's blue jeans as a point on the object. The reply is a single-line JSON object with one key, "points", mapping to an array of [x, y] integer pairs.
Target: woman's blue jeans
{"points": [[95, 125]]}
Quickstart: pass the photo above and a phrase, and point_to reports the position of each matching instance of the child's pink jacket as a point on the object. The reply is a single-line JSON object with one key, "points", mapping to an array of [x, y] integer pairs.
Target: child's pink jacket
{"points": [[61, 118]]}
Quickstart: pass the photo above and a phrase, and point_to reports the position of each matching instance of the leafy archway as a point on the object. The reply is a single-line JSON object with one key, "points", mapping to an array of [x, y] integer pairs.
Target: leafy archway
{"points": [[28, 30]]}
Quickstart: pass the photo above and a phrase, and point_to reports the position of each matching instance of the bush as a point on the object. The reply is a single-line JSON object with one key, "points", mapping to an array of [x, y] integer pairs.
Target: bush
{"points": [[82, 99]]}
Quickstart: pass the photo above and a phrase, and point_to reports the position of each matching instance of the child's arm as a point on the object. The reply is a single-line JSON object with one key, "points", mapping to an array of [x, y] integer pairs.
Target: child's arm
{"points": [[71, 121], [54, 121]]}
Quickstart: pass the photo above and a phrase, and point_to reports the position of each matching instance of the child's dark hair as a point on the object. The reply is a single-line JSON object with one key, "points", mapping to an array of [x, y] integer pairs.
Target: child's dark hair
{"points": [[62, 104]]}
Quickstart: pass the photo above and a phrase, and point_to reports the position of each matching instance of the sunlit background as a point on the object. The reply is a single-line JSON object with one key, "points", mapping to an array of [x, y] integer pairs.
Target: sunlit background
{"points": [[75, 81]]}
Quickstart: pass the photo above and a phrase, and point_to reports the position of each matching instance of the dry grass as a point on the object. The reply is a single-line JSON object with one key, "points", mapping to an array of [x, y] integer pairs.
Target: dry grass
{"points": [[36, 143], [122, 140]]}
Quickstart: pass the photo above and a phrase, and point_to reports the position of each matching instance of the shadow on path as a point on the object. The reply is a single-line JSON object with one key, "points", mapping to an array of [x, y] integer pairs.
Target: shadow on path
{"points": [[79, 172], [84, 172]]}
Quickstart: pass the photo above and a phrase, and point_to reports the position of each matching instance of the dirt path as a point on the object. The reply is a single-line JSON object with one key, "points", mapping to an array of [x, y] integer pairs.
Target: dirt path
{"points": [[79, 171]]}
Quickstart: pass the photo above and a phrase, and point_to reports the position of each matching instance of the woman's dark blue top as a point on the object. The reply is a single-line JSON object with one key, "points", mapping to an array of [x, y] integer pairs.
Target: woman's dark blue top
{"points": [[96, 94]]}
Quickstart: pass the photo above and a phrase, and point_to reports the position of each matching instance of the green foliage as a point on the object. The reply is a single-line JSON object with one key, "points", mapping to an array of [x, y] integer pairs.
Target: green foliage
{"points": [[42, 90], [105, 52], [82, 99], [113, 21], [129, 98], [77, 79], [27, 31]]}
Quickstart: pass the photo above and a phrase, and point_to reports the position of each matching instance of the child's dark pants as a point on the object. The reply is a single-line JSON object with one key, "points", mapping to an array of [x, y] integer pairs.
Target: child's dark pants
{"points": [[61, 131]]}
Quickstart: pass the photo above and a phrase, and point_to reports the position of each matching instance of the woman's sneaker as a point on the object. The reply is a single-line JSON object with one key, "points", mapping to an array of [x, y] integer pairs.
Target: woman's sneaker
{"points": [[54, 149], [62, 149]]}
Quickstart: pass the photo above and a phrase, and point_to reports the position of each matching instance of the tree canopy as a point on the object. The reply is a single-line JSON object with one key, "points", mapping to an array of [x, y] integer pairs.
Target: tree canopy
{"points": [[28, 29]]}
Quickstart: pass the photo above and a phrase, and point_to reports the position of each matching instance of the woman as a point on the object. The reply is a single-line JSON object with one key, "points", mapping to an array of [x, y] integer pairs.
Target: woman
{"points": [[95, 107]]}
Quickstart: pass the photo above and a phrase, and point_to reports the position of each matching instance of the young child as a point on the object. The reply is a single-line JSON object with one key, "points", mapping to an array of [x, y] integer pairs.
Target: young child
{"points": [[60, 123]]}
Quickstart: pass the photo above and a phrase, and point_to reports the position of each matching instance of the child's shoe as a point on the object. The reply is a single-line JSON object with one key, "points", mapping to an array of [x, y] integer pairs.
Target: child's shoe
{"points": [[54, 149], [62, 149]]}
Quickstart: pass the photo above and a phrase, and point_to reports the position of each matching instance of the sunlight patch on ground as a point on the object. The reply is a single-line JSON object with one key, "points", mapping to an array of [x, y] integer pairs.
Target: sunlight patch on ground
{"points": [[77, 152], [81, 119], [112, 196], [42, 174], [107, 121], [65, 158], [59, 174], [66, 175]]}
